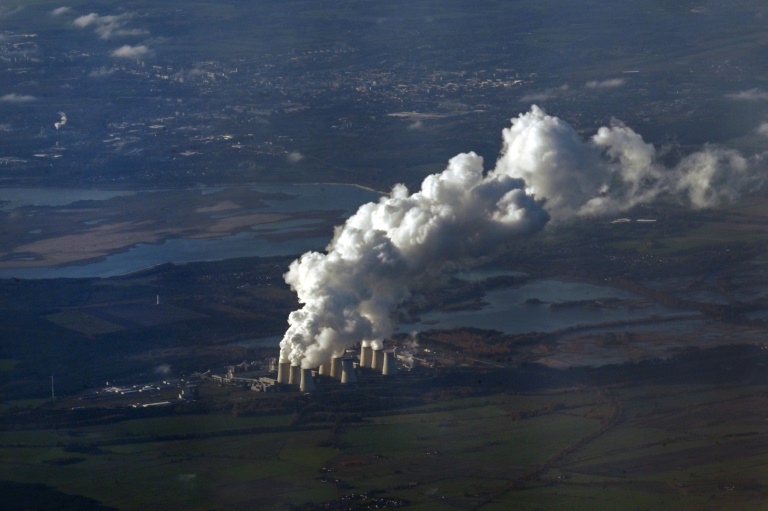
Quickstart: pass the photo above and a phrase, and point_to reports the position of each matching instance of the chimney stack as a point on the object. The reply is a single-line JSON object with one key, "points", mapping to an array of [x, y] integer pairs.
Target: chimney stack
{"points": [[336, 368], [366, 354], [348, 371], [390, 364], [324, 369], [295, 375], [307, 383], [378, 359], [283, 372]]}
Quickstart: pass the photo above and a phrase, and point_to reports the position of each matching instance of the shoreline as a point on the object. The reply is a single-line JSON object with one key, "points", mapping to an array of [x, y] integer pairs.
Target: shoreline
{"points": [[56, 237]]}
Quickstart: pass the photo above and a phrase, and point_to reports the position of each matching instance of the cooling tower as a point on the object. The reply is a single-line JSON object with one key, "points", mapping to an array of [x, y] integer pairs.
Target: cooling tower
{"points": [[366, 354], [336, 368], [378, 359], [283, 372], [307, 383], [295, 375], [324, 369], [348, 371], [390, 364]]}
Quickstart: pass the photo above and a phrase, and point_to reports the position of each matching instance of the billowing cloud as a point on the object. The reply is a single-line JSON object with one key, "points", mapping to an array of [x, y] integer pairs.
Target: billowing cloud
{"points": [[763, 129], [390, 248], [749, 95], [86, 20], [605, 84], [714, 175], [387, 248], [163, 369], [294, 157], [544, 95], [62, 121], [60, 10], [614, 170], [110, 26], [17, 98], [131, 52]]}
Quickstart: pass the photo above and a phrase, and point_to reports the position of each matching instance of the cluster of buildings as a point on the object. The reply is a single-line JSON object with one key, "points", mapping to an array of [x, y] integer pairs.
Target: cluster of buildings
{"points": [[249, 110], [343, 370], [144, 395], [19, 49]]}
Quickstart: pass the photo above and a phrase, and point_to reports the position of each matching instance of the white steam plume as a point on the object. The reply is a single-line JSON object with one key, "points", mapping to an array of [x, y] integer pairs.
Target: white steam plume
{"points": [[62, 121], [615, 170], [17, 98], [748, 95], [131, 52], [545, 94], [386, 248], [294, 157], [163, 369], [110, 26], [60, 10], [389, 248], [611, 83]]}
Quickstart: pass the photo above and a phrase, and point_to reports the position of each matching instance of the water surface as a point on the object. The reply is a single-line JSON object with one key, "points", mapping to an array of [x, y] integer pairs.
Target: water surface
{"points": [[262, 240], [507, 310]]}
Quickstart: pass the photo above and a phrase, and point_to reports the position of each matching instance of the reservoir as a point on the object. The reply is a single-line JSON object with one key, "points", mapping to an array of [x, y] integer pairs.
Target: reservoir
{"points": [[561, 305], [533, 306], [294, 235]]}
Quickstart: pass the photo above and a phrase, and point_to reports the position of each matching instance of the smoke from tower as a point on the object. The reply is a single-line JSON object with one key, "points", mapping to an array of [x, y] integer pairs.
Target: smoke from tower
{"points": [[545, 171], [615, 169], [62, 121]]}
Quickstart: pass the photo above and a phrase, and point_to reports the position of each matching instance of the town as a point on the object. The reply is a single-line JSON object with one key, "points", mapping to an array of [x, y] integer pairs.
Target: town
{"points": [[360, 366], [247, 116]]}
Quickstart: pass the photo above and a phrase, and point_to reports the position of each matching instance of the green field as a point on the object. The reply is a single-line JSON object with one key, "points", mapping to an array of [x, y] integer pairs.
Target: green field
{"points": [[679, 446], [7, 365]]}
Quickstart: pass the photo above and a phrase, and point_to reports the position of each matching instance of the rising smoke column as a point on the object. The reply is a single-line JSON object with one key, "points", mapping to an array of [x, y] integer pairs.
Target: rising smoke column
{"points": [[387, 248], [615, 169], [62, 121], [545, 171]]}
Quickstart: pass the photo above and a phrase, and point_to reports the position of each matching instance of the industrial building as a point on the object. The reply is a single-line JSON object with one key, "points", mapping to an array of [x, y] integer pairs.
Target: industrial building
{"points": [[189, 392], [343, 369]]}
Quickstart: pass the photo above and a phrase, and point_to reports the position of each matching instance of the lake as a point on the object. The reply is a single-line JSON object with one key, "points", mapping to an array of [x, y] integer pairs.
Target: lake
{"points": [[507, 310], [263, 240]]}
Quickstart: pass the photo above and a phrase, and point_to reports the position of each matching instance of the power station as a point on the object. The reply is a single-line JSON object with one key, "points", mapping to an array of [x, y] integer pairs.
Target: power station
{"points": [[343, 369], [346, 370]]}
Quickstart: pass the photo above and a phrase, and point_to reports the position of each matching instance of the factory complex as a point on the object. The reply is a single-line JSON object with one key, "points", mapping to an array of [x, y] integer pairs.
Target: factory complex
{"points": [[343, 370]]}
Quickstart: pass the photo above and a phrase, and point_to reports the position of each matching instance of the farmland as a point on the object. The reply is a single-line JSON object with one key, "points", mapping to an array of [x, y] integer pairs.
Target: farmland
{"points": [[591, 439]]}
